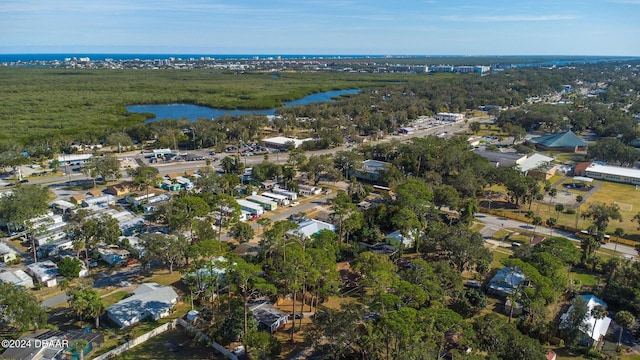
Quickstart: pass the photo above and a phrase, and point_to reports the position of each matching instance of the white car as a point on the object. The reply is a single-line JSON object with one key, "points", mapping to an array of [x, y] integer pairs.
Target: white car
{"points": [[295, 203]]}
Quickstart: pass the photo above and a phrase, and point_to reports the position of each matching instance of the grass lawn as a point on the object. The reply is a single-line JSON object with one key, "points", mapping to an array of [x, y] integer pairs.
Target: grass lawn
{"points": [[627, 198], [114, 298], [501, 233], [173, 344], [477, 226], [497, 258], [585, 278], [164, 278]]}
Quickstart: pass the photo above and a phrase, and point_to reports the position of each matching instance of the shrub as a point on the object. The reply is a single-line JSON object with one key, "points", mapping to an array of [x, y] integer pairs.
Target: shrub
{"points": [[570, 211]]}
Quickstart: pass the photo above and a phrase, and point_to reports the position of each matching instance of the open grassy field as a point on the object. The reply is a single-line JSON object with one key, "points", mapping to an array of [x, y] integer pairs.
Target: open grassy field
{"points": [[42, 102], [626, 196]]}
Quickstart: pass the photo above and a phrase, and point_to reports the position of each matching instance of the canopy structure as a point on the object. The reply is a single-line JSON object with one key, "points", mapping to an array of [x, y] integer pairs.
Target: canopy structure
{"points": [[583, 179]]}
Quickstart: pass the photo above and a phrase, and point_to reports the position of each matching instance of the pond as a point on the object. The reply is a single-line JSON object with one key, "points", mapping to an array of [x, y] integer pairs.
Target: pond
{"points": [[193, 112]]}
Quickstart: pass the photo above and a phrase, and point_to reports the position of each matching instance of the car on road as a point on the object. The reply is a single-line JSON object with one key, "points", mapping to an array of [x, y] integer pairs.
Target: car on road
{"points": [[130, 262], [24, 181], [295, 203]]}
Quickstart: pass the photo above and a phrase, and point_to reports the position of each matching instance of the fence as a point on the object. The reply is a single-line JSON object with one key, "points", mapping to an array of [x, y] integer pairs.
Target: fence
{"points": [[137, 341], [161, 329]]}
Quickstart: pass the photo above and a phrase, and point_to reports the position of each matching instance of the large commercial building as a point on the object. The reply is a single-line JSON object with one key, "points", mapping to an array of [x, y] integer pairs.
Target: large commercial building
{"points": [[281, 142], [449, 117], [565, 141], [602, 171]]}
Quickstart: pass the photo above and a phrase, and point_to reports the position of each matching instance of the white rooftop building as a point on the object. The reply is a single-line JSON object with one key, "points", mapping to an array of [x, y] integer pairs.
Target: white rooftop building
{"points": [[310, 227], [44, 272], [597, 328], [281, 141], [6, 253], [602, 171], [534, 161], [17, 277]]}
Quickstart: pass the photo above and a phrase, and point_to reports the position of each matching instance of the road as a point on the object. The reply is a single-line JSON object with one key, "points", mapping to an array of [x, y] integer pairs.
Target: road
{"points": [[495, 223], [70, 176], [54, 300]]}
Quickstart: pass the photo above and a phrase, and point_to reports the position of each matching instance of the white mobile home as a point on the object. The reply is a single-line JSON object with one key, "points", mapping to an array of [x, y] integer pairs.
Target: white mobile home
{"points": [[280, 199], [289, 194], [265, 202], [44, 272], [104, 200], [250, 207], [50, 237]]}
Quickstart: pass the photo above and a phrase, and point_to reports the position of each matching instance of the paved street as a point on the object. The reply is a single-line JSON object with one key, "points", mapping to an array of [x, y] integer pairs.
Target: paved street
{"points": [[54, 300], [495, 223]]}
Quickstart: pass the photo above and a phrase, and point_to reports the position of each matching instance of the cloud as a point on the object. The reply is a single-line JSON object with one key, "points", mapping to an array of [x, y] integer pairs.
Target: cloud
{"points": [[511, 18]]}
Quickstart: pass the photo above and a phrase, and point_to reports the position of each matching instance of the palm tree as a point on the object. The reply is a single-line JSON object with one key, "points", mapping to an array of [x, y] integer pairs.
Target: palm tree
{"points": [[535, 221], [579, 200], [551, 223], [625, 320], [598, 312], [79, 346]]}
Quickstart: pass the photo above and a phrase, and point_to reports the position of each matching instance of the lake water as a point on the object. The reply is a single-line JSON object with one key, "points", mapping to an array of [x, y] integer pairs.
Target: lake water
{"points": [[193, 112]]}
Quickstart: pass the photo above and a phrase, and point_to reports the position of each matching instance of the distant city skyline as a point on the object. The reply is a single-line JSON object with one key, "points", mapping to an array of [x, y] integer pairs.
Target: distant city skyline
{"points": [[401, 27]]}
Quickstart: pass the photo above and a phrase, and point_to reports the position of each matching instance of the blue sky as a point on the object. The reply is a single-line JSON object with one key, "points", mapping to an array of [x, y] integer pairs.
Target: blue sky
{"points": [[391, 27]]}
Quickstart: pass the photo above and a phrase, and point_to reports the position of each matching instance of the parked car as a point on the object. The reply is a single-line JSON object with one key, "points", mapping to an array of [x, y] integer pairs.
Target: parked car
{"points": [[297, 316], [131, 261], [93, 264], [295, 203]]}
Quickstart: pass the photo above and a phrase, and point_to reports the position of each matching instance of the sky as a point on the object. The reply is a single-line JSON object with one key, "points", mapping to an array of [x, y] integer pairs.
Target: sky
{"points": [[349, 27]]}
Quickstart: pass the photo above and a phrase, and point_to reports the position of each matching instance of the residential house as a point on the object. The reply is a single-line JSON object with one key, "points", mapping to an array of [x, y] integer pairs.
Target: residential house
{"points": [[371, 170], [396, 238], [505, 281], [113, 255], [269, 318], [44, 272], [309, 227], [95, 192], [289, 194], [103, 201], [595, 329], [565, 141], [59, 345], [268, 184], [250, 207], [169, 185], [17, 277], [77, 199], [6, 253], [308, 190], [150, 300]]}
